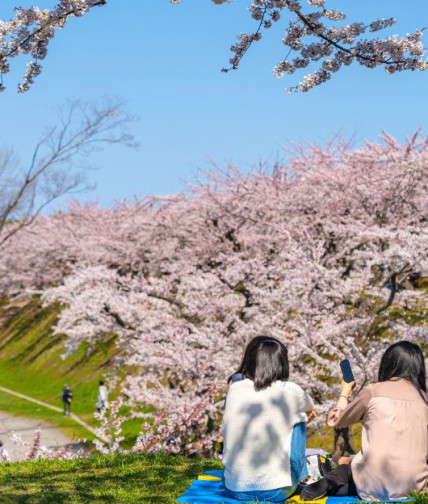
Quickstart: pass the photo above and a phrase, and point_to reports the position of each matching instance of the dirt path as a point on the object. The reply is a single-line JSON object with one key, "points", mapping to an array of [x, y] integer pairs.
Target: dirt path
{"points": [[51, 436]]}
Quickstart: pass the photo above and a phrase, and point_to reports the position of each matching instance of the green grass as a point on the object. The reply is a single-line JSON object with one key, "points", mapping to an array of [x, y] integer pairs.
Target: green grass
{"points": [[118, 479], [31, 363], [420, 498], [325, 438], [31, 360]]}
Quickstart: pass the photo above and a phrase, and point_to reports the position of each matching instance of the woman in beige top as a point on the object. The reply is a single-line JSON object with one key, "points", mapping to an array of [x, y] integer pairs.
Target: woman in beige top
{"points": [[392, 461]]}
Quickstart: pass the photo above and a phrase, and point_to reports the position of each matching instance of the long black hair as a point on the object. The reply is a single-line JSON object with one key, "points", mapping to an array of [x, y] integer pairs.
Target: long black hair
{"points": [[265, 361], [404, 360]]}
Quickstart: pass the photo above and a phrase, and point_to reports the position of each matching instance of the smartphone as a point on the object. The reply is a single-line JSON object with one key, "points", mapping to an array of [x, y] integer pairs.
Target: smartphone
{"points": [[347, 373]]}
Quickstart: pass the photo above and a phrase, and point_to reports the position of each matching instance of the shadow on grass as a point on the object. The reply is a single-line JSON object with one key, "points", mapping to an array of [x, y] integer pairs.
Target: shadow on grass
{"points": [[117, 479]]}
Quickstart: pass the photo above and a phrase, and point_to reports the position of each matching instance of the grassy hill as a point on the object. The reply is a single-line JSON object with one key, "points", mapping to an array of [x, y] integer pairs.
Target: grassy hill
{"points": [[31, 363], [118, 479], [115, 479]]}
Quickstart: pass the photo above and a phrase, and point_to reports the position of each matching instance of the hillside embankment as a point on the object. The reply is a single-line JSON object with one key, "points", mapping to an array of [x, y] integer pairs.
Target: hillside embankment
{"points": [[32, 364], [115, 479]]}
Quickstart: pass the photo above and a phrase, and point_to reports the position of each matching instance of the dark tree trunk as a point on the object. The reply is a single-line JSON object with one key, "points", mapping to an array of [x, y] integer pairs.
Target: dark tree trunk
{"points": [[342, 442]]}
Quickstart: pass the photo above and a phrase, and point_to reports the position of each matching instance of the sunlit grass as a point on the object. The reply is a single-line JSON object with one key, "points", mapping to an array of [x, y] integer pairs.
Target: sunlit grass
{"points": [[31, 363], [420, 498], [118, 479]]}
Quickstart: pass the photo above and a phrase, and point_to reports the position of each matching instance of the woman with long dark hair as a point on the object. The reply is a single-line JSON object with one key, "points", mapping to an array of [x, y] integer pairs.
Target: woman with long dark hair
{"points": [[392, 461], [264, 428]]}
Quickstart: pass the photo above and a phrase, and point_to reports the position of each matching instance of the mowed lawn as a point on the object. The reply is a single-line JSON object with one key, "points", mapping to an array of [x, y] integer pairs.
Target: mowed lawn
{"points": [[117, 479]]}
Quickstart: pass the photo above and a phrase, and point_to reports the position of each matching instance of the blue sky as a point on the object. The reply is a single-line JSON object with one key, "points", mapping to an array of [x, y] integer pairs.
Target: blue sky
{"points": [[164, 60]]}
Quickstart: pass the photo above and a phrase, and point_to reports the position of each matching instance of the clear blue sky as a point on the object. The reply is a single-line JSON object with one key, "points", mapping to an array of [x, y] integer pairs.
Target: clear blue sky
{"points": [[164, 60]]}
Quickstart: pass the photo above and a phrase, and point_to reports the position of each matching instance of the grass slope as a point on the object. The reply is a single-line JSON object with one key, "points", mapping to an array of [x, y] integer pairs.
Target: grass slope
{"points": [[118, 479], [31, 363]]}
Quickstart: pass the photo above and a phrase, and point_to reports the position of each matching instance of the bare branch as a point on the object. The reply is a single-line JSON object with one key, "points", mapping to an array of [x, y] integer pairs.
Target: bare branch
{"points": [[59, 161]]}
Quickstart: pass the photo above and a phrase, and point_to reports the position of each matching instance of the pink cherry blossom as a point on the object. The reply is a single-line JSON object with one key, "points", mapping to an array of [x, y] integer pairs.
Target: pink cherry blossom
{"points": [[315, 251], [32, 29]]}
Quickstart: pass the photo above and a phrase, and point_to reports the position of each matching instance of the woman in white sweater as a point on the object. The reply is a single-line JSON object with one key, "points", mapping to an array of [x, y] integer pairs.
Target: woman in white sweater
{"points": [[264, 427]]}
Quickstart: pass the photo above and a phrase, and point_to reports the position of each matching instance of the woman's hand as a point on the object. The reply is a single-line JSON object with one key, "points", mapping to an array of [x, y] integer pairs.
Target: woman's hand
{"points": [[345, 393], [347, 388], [311, 414]]}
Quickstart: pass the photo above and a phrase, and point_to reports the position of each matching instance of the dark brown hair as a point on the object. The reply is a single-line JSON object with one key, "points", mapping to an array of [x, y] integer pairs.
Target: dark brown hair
{"points": [[404, 360], [265, 361]]}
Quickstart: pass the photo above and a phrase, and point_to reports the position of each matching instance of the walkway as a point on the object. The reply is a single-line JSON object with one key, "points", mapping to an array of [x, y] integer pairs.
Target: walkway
{"points": [[51, 436], [54, 408]]}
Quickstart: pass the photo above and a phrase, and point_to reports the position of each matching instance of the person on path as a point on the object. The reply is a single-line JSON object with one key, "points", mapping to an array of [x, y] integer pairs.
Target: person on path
{"points": [[392, 461], [4, 455], [67, 397], [264, 426], [102, 401]]}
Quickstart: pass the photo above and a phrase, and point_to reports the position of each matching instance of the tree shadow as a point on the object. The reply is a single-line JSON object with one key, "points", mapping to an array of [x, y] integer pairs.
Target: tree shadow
{"points": [[107, 480]]}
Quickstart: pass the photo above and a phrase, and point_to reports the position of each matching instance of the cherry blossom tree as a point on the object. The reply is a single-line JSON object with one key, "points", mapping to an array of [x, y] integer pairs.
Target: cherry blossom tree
{"points": [[315, 251], [314, 33], [59, 161], [317, 35], [31, 31]]}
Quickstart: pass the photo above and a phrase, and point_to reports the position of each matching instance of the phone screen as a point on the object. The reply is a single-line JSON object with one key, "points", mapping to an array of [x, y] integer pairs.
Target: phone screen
{"points": [[347, 373]]}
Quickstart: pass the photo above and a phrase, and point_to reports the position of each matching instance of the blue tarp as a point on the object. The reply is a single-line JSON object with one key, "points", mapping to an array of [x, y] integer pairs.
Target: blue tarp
{"points": [[211, 491]]}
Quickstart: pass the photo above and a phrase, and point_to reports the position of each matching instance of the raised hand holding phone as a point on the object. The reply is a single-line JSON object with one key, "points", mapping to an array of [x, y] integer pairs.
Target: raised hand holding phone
{"points": [[348, 382]]}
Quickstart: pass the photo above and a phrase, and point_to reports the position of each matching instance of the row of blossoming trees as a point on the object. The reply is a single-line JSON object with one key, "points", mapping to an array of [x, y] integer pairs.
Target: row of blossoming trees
{"points": [[314, 251]]}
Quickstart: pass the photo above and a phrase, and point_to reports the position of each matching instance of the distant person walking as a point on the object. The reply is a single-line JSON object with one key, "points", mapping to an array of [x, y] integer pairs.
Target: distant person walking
{"points": [[102, 401], [67, 397], [4, 455]]}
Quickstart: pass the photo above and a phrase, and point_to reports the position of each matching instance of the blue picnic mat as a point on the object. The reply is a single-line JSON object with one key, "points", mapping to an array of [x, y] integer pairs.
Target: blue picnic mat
{"points": [[208, 489]]}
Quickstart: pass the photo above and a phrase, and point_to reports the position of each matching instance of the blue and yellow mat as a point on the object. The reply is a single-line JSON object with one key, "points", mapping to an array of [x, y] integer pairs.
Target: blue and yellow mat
{"points": [[208, 489]]}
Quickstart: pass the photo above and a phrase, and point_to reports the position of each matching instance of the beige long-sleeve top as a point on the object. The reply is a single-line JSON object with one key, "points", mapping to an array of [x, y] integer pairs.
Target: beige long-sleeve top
{"points": [[392, 461]]}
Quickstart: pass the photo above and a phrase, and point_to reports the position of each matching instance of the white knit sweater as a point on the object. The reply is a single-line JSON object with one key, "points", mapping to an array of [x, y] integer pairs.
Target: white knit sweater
{"points": [[257, 430]]}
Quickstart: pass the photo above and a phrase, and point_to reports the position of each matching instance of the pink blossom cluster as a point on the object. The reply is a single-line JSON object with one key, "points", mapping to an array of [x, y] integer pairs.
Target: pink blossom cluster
{"points": [[313, 251], [30, 32], [334, 45], [110, 430], [37, 450], [183, 424], [32, 29]]}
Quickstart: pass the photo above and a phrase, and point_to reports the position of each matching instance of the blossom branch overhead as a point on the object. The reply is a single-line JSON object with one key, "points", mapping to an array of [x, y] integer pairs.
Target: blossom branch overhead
{"points": [[315, 37], [30, 32]]}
